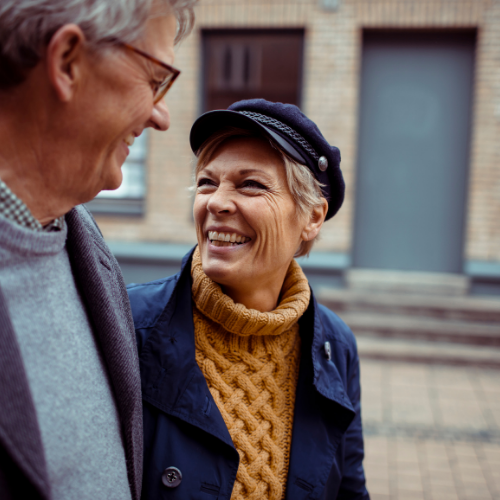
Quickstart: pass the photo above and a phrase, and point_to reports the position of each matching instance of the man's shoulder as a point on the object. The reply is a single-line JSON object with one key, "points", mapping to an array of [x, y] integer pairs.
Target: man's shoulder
{"points": [[83, 227], [82, 213]]}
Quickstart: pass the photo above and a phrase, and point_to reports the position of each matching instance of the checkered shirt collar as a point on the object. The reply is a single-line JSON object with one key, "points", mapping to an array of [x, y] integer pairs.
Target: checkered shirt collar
{"points": [[13, 209]]}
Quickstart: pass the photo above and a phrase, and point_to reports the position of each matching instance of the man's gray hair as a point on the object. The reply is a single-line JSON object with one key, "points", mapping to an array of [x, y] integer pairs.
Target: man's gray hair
{"points": [[26, 26]]}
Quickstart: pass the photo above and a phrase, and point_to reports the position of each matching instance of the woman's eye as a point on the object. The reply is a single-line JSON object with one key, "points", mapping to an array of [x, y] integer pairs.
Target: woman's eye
{"points": [[253, 184], [204, 182]]}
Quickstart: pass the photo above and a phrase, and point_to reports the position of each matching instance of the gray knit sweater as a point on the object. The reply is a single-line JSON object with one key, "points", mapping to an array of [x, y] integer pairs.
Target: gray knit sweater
{"points": [[74, 403]]}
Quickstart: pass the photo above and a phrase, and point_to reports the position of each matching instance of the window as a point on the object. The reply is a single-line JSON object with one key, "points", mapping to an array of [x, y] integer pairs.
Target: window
{"points": [[246, 64], [128, 199]]}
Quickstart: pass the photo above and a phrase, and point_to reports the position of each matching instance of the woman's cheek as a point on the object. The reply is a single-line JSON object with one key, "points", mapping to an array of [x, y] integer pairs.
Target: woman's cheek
{"points": [[272, 229], [199, 215]]}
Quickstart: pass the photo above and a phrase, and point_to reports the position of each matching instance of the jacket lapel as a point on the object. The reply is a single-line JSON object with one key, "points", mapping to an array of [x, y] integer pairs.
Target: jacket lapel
{"points": [[323, 412], [100, 282], [19, 431], [183, 391]]}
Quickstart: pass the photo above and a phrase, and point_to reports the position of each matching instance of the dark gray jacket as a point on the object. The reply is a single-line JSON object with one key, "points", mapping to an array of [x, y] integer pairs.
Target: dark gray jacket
{"points": [[23, 471]]}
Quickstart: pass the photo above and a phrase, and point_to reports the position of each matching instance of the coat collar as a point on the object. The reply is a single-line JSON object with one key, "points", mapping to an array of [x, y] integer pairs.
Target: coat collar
{"points": [[177, 319], [99, 280], [327, 379], [321, 417], [171, 378]]}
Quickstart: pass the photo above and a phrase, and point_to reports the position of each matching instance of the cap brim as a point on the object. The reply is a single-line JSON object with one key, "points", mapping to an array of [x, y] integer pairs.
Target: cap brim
{"points": [[209, 123]]}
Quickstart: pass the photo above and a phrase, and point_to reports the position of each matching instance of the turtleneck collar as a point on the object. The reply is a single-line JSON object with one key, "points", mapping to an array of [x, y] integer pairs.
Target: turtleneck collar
{"points": [[236, 318]]}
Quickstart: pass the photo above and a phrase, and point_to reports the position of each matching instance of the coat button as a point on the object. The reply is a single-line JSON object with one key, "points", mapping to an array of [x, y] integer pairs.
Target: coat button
{"points": [[171, 477]]}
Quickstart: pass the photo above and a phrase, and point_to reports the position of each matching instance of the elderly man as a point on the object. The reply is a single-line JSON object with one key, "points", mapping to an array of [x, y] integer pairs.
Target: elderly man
{"points": [[79, 80]]}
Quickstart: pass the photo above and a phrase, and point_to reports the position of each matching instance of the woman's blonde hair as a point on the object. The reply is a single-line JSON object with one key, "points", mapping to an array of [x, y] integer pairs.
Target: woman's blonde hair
{"points": [[304, 187]]}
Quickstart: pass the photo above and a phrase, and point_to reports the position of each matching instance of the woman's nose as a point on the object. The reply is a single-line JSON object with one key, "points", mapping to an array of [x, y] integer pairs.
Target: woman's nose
{"points": [[160, 116], [221, 202]]}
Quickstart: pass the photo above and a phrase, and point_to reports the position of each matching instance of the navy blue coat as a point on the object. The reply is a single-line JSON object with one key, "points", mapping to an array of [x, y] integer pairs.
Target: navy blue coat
{"points": [[183, 427]]}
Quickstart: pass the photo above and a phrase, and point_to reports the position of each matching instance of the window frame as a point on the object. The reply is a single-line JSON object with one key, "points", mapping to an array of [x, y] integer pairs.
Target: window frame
{"points": [[126, 205], [205, 33]]}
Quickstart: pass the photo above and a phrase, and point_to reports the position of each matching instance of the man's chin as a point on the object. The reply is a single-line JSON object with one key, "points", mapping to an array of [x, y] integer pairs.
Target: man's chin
{"points": [[113, 181]]}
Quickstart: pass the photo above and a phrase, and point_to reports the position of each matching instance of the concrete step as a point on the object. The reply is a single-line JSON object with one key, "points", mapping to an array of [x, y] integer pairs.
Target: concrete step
{"points": [[422, 328], [428, 352], [472, 309], [397, 282]]}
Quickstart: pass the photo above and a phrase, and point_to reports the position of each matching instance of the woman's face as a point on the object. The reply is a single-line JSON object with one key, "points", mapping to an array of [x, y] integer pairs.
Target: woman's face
{"points": [[242, 198]]}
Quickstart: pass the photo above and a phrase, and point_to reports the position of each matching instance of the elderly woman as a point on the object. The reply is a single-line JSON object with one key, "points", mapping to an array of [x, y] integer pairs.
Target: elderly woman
{"points": [[251, 389]]}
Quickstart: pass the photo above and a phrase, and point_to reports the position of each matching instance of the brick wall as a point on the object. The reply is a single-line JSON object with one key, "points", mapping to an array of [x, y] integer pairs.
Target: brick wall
{"points": [[330, 97]]}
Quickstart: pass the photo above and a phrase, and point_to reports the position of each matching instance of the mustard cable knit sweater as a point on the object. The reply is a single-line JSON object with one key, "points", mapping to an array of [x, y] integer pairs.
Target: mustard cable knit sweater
{"points": [[250, 361]]}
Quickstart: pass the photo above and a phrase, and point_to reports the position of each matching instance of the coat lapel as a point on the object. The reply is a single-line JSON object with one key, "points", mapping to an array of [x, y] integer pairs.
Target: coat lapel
{"points": [[183, 391], [100, 282], [322, 414], [19, 431]]}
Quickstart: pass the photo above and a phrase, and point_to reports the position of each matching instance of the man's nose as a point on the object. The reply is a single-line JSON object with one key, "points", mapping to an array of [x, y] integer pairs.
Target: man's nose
{"points": [[160, 116]]}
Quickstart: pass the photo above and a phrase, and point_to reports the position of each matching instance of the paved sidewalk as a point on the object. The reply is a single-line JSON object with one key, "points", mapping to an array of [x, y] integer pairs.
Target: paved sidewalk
{"points": [[432, 432]]}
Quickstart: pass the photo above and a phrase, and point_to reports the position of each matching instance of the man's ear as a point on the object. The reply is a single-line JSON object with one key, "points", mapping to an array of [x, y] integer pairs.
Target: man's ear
{"points": [[315, 222], [64, 58]]}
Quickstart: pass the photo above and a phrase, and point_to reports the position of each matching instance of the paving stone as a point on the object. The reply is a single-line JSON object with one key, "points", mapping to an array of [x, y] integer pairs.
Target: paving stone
{"points": [[380, 496], [430, 437], [441, 495], [410, 495], [378, 486]]}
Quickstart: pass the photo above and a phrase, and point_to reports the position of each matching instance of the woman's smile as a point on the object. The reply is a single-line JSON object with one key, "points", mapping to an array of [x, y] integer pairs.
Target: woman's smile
{"points": [[226, 239]]}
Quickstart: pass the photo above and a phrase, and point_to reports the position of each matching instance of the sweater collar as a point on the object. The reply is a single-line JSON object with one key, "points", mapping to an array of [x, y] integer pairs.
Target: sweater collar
{"points": [[15, 210], [325, 373], [238, 319]]}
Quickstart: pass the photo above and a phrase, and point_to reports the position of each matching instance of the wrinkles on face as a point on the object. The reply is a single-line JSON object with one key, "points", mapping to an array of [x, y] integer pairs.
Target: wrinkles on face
{"points": [[276, 233], [243, 189], [119, 103]]}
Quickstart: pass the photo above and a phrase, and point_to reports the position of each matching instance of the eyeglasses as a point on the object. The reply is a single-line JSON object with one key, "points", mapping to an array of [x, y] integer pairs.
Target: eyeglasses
{"points": [[163, 87]]}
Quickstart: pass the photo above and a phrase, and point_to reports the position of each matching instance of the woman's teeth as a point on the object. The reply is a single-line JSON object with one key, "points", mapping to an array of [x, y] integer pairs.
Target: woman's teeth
{"points": [[226, 239], [129, 140]]}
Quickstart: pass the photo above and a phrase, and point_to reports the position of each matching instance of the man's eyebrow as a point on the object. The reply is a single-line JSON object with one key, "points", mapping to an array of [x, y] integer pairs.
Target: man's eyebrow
{"points": [[155, 70]]}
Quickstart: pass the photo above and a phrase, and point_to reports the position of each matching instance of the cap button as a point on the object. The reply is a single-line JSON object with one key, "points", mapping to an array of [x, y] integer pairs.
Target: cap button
{"points": [[323, 163]]}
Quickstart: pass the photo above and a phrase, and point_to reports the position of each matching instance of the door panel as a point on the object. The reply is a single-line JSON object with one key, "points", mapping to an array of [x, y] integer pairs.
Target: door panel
{"points": [[413, 150]]}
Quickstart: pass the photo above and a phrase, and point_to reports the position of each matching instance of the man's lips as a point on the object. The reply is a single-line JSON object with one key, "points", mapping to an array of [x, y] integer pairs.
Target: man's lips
{"points": [[129, 140]]}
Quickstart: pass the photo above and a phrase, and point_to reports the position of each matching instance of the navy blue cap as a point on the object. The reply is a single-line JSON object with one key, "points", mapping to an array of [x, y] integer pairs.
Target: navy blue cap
{"points": [[296, 134]]}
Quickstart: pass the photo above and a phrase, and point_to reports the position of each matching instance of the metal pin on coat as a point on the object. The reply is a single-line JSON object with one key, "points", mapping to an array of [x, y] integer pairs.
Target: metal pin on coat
{"points": [[328, 350]]}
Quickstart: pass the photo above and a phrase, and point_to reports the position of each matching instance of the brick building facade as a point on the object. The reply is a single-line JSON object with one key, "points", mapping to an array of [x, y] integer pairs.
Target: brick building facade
{"points": [[333, 32]]}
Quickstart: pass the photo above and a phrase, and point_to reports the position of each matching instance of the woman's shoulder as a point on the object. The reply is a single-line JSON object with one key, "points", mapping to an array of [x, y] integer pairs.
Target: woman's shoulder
{"points": [[148, 300]]}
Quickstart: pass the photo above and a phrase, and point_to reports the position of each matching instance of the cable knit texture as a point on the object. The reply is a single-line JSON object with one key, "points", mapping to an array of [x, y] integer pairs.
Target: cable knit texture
{"points": [[250, 361]]}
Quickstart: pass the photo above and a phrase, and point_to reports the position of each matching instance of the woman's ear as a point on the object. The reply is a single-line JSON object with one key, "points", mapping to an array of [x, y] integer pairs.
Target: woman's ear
{"points": [[315, 222], [63, 59]]}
